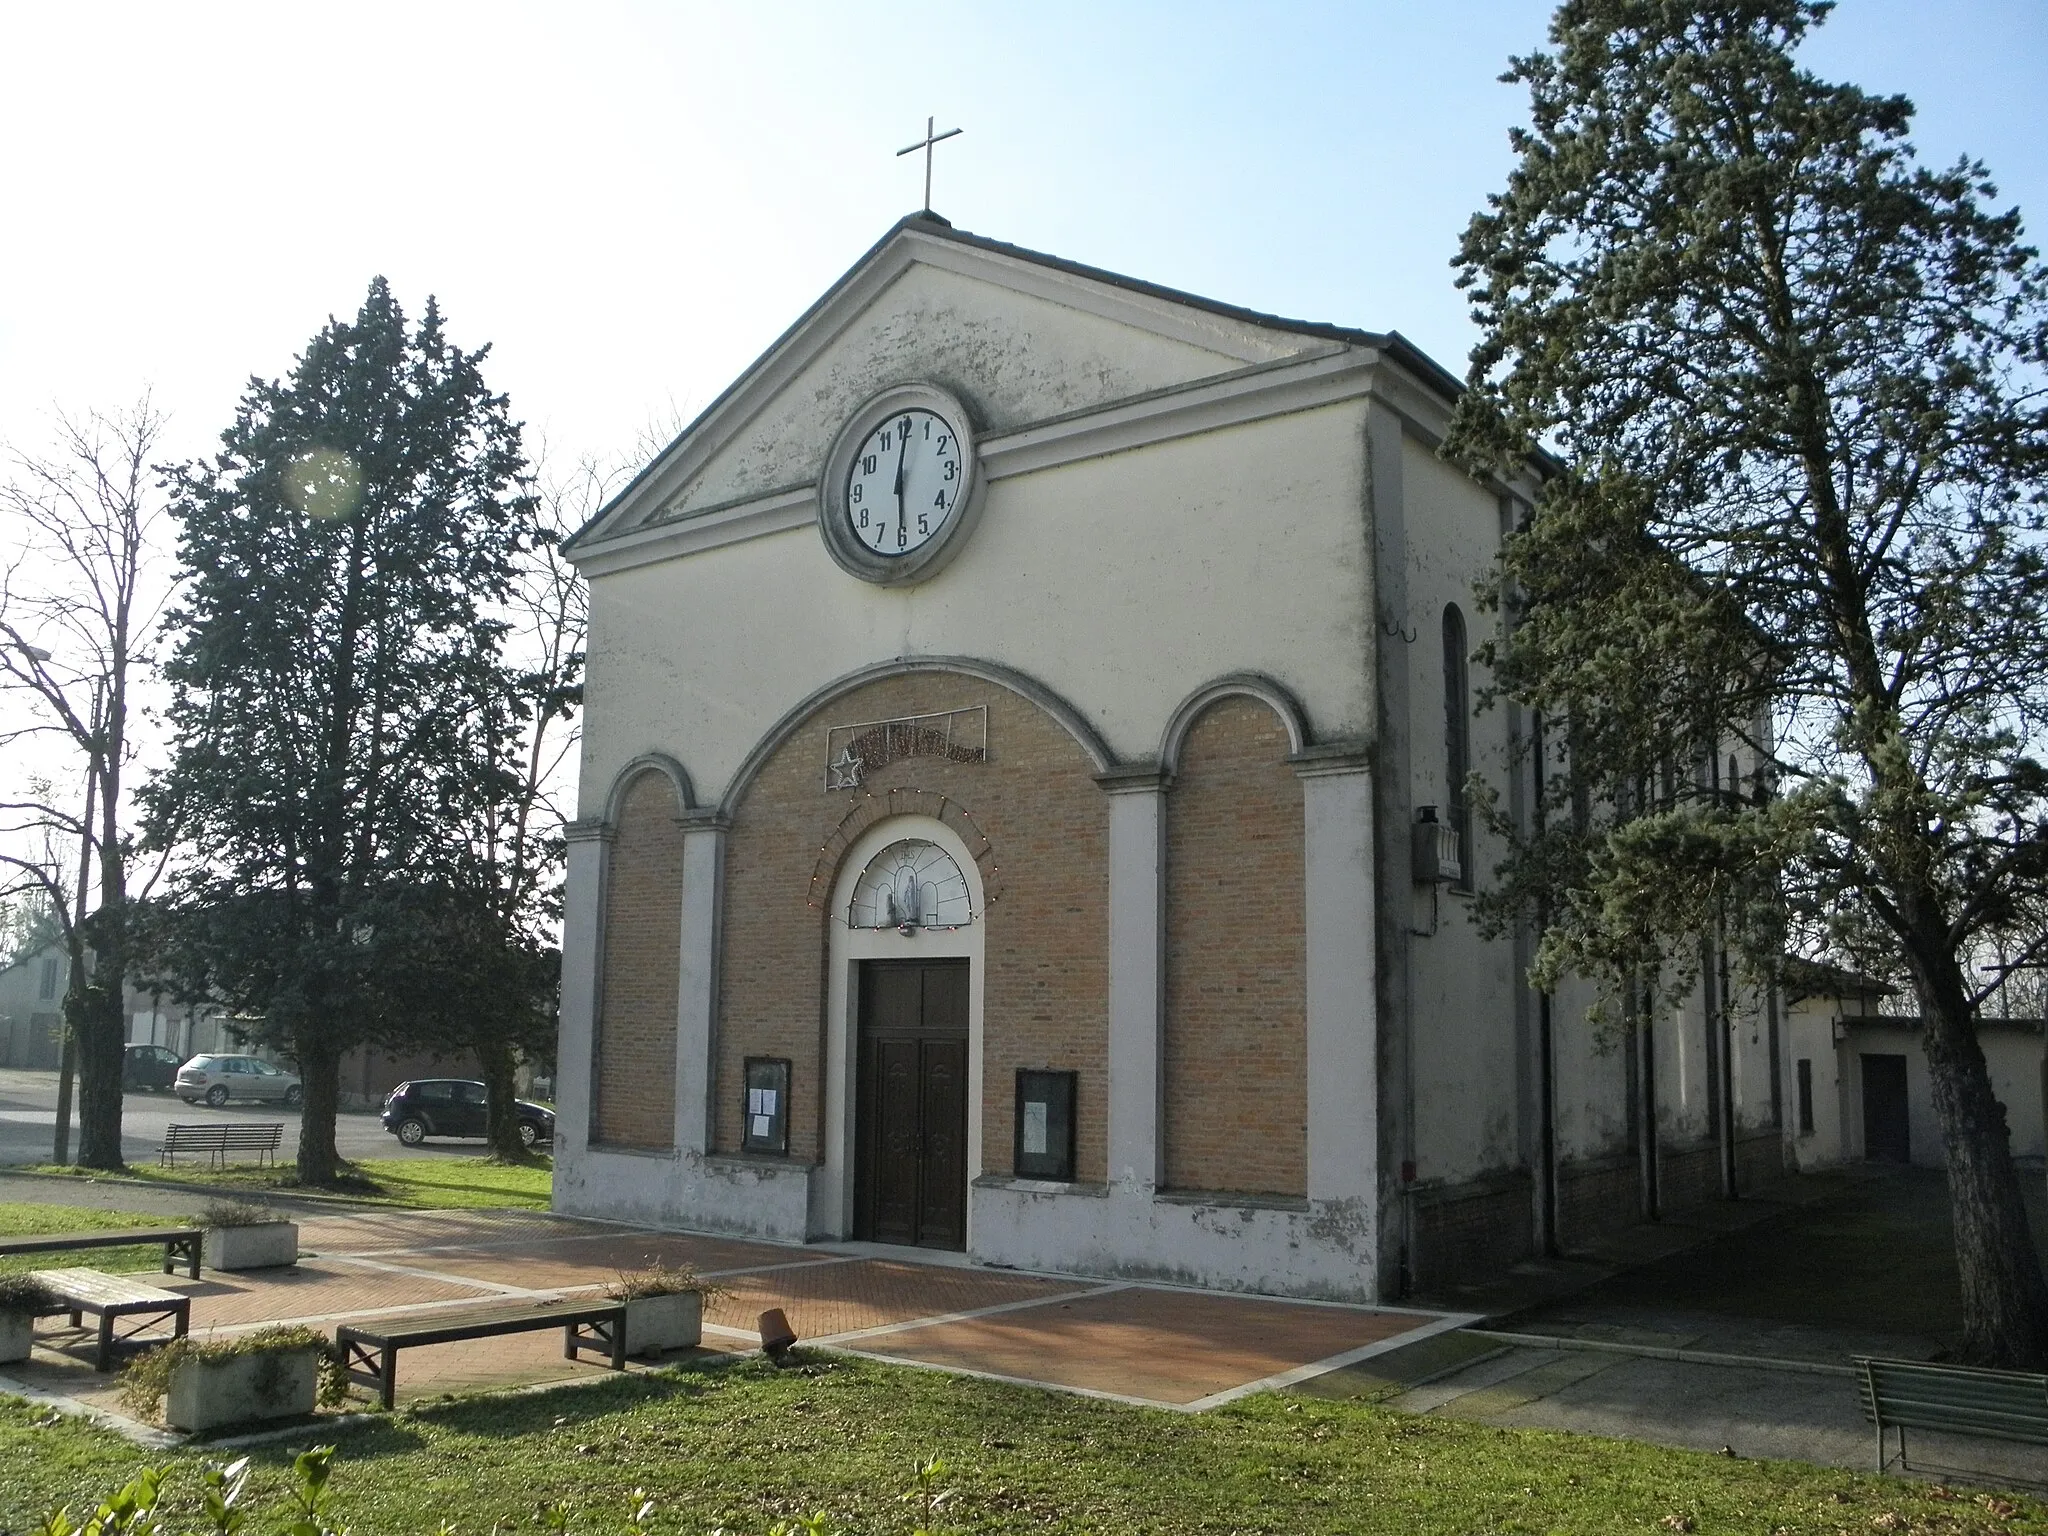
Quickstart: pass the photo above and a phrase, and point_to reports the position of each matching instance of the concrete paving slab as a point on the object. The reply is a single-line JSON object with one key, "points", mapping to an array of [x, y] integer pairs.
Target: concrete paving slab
{"points": [[1406, 1366], [1488, 1371], [1531, 1386]]}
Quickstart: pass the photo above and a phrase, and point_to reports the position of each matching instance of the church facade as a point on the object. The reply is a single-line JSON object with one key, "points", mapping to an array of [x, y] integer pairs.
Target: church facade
{"points": [[1020, 814]]}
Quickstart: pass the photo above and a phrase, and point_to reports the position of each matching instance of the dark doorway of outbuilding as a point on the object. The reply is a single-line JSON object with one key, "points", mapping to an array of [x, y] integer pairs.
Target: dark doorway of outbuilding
{"points": [[1887, 1136], [911, 1112]]}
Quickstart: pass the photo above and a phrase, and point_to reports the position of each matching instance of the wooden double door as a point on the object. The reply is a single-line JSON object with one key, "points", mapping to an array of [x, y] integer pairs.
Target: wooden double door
{"points": [[911, 1116]]}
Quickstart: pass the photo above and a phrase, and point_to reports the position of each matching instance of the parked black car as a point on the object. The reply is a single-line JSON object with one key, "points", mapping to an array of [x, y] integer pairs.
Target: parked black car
{"points": [[150, 1066], [454, 1106]]}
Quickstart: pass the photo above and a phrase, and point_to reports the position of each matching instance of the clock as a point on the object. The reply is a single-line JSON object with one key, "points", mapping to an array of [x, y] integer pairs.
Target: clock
{"points": [[899, 483]]}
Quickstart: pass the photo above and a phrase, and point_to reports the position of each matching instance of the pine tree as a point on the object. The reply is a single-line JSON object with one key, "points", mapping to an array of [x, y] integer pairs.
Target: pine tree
{"points": [[1796, 380], [347, 550]]}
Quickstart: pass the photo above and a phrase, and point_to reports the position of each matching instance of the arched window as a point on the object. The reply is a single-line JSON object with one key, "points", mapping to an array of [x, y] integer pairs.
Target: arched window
{"points": [[1458, 739], [911, 884]]}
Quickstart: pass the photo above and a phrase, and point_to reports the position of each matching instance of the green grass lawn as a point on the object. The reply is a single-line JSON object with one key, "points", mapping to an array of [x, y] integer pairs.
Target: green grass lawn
{"points": [[22, 1220], [740, 1446], [436, 1183]]}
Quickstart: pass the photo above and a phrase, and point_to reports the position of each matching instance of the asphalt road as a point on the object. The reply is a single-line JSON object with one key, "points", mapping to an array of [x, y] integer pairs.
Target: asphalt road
{"points": [[28, 1124]]}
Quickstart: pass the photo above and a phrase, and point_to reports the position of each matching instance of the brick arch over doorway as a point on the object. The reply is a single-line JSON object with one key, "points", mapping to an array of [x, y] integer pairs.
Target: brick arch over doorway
{"points": [[634, 1092], [1236, 1057], [1033, 802]]}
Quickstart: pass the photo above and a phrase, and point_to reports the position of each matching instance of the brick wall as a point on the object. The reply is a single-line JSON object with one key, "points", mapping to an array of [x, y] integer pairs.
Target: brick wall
{"points": [[1467, 1232], [1596, 1196], [635, 1083], [1236, 1099], [1599, 1195], [1045, 986]]}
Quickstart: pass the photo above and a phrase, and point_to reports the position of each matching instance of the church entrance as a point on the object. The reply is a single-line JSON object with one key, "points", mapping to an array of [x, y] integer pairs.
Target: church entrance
{"points": [[910, 1176]]}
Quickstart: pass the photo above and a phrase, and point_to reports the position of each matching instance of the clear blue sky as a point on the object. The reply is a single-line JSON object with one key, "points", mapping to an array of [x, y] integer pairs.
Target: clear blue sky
{"points": [[631, 200]]}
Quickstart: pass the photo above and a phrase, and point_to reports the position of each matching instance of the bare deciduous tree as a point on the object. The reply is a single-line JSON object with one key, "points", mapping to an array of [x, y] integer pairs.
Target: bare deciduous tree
{"points": [[82, 600]]}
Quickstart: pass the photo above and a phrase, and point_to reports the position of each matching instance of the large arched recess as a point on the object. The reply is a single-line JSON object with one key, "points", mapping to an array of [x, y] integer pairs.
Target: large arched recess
{"points": [[1235, 1062], [1044, 863], [633, 1090]]}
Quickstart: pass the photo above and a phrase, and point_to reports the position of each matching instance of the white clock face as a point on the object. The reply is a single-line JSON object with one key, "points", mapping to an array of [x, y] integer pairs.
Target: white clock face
{"points": [[904, 482]]}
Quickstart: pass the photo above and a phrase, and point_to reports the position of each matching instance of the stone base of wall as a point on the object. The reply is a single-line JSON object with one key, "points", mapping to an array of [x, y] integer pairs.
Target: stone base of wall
{"points": [[1467, 1232], [1688, 1176], [1321, 1249], [739, 1197], [1597, 1195]]}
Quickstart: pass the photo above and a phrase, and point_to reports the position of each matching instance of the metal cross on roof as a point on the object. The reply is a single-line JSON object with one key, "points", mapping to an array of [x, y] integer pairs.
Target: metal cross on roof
{"points": [[926, 144]]}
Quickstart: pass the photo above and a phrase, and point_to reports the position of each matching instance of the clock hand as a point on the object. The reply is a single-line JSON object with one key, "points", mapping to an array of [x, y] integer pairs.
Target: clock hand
{"points": [[902, 518]]}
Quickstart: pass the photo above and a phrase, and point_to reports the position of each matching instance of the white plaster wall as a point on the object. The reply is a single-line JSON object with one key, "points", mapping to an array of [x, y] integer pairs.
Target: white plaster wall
{"points": [[1122, 583], [1810, 1027], [1013, 357], [1461, 986], [1591, 1077], [1749, 1037]]}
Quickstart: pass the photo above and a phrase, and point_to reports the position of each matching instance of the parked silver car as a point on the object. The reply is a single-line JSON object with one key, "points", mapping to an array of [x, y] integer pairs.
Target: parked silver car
{"points": [[216, 1079]]}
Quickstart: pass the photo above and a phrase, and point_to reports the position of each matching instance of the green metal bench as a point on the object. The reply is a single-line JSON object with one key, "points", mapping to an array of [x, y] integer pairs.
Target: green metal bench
{"points": [[1951, 1399]]}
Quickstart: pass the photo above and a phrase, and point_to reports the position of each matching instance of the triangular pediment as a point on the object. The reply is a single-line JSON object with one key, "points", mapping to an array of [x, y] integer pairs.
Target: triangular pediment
{"points": [[1020, 338]]}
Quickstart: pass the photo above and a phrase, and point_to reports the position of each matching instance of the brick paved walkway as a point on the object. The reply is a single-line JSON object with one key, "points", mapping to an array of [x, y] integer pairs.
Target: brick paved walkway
{"points": [[1138, 1343]]}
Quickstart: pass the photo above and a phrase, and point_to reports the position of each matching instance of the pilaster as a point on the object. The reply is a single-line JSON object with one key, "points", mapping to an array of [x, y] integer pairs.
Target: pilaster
{"points": [[583, 887], [703, 900], [1137, 819], [1343, 1036]]}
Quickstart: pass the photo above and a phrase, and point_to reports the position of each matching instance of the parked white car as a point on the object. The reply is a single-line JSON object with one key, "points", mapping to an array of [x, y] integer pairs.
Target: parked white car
{"points": [[216, 1079]]}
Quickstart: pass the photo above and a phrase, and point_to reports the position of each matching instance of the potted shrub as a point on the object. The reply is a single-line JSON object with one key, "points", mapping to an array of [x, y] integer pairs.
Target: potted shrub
{"points": [[23, 1299], [664, 1307], [274, 1373], [244, 1236]]}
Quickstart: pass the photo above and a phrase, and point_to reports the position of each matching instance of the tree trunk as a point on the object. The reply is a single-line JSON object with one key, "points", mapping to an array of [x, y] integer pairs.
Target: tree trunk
{"points": [[495, 1057], [2005, 1297], [102, 1042], [319, 1059]]}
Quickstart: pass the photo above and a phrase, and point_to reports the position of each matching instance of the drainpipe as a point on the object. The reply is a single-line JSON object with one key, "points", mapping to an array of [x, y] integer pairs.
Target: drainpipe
{"points": [[1729, 1191], [1546, 1068], [1646, 1099]]}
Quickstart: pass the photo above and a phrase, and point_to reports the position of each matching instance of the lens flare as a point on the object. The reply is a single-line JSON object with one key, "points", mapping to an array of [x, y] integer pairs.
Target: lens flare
{"points": [[323, 483]]}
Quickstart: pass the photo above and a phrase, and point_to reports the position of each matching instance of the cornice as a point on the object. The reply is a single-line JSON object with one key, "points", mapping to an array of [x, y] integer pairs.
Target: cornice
{"points": [[1253, 394]]}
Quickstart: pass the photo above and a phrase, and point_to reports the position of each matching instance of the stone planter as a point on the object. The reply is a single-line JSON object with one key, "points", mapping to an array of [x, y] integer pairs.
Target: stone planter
{"points": [[263, 1246], [271, 1384], [656, 1324], [17, 1336]]}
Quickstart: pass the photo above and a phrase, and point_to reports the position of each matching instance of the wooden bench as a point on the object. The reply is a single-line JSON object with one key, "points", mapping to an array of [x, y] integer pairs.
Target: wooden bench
{"points": [[217, 1141], [112, 1299], [370, 1350], [181, 1244], [1954, 1399]]}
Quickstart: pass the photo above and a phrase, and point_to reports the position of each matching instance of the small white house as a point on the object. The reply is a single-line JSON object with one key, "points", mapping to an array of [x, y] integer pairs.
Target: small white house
{"points": [[1860, 1083]]}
